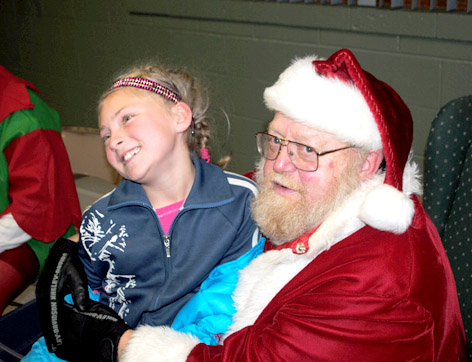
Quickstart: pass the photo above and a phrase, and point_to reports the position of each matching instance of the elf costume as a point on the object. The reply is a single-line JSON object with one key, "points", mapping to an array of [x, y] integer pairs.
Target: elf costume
{"points": [[38, 198]]}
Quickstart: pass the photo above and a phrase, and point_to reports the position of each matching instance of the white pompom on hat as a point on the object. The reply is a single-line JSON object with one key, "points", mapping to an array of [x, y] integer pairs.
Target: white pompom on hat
{"points": [[337, 96]]}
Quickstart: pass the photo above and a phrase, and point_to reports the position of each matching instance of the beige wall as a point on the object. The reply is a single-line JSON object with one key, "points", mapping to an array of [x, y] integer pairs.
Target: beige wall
{"points": [[87, 154]]}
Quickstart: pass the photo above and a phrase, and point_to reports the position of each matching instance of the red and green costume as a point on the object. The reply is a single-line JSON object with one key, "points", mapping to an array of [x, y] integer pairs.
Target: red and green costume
{"points": [[36, 183]]}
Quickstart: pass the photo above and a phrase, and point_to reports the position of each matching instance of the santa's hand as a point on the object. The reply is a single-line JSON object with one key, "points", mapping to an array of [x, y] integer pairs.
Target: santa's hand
{"points": [[91, 335], [63, 274]]}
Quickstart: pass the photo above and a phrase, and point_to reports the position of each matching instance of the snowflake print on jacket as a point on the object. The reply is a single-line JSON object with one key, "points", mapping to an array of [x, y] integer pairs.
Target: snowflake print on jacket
{"points": [[92, 232]]}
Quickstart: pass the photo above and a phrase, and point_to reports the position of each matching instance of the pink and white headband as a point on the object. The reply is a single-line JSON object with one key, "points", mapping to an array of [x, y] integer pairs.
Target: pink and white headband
{"points": [[148, 85], [157, 88]]}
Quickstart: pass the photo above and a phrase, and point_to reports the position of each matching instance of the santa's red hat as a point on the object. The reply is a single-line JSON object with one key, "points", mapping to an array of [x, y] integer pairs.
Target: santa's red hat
{"points": [[339, 97]]}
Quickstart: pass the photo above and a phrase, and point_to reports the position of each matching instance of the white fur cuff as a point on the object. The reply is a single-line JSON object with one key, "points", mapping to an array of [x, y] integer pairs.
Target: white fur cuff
{"points": [[158, 344]]}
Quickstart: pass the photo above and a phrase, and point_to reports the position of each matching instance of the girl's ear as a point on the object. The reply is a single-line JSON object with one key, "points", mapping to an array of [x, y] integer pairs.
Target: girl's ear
{"points": [[371, 164], [183, 116]]}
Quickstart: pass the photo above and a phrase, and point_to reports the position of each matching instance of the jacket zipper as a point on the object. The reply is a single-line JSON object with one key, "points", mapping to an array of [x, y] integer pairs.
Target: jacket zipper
{"points": [[167, 245], [167, 237]]}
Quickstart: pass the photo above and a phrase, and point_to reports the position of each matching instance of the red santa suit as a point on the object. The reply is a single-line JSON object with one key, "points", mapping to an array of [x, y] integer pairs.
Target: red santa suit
{"points": [[371, 283]]}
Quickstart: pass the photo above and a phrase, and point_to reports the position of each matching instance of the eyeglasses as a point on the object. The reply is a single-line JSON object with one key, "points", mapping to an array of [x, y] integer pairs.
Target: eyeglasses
{"points": [[303, 157]]}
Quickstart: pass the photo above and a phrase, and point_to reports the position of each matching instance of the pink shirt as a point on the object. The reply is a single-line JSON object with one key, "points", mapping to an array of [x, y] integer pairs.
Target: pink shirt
{"points": [[167, 214]]}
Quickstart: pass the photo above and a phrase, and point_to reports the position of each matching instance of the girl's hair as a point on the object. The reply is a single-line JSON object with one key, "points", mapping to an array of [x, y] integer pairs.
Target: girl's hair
{"points": [[186, 86]]}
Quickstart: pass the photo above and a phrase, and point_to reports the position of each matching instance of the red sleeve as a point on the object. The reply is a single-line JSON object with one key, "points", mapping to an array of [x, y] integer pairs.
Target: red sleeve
{"points": [[13, 93], [323, 327], [43, 197]]}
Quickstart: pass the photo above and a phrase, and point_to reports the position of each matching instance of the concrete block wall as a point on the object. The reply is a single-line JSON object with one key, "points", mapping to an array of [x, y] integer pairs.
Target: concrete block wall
{"points": [[71, 49]]}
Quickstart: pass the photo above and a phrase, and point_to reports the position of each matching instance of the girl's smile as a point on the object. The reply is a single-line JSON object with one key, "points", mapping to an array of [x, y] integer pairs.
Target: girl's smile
{"points": [[128, 155]]}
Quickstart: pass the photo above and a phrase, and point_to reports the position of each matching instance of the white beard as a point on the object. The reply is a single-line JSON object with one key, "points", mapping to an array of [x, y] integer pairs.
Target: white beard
{"points": [[283, 220]]}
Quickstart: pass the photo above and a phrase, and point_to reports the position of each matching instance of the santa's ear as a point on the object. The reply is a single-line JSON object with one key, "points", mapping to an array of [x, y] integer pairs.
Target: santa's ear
{"points": [[371, 164], [183, 116]]}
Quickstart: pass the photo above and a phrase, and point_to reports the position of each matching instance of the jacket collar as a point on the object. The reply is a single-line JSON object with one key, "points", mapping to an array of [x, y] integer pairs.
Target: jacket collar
{"points": [[210, 188]]}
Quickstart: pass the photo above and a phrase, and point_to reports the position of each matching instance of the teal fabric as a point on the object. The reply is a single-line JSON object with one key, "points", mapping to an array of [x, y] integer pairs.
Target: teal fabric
{"points": [[448, 195], [210, 312], [207, 315]]}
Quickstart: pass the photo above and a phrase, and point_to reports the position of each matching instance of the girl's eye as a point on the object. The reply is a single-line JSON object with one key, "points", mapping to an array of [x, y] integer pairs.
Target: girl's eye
{"points": [[127, 117], [105, 138]]}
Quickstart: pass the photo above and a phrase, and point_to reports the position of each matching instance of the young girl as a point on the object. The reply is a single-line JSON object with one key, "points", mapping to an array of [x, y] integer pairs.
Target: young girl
{"points": [[148, 246]]}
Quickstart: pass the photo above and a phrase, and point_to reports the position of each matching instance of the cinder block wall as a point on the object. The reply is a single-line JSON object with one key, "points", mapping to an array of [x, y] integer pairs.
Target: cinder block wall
{"points": [[72, 48]]}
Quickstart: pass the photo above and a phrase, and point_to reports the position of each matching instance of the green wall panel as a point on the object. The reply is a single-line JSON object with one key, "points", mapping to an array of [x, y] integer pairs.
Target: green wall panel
{"points": [[71, 49]]}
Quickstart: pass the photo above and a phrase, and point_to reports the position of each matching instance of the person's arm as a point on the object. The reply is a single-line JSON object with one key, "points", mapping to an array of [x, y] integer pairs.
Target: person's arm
{"points": [[84, 239], [74, 237], [310, 327], [41, 190], [247, 233], [124, 341]]}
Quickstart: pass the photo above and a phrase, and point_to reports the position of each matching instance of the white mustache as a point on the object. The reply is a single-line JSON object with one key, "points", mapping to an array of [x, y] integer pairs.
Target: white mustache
{"points": [[284, 181], [265, 181]]}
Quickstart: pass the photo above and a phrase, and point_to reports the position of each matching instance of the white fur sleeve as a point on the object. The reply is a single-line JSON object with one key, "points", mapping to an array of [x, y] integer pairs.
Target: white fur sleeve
{"points": [[11, 235], [158, 344]]}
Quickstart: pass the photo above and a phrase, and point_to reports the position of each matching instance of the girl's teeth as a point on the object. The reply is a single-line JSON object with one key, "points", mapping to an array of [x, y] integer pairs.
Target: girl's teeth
{"points": [[131, 153]]}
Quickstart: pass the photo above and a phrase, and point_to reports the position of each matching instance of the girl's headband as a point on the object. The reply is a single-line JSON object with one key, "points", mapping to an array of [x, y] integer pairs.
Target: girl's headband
{"points": [[148, 85]]}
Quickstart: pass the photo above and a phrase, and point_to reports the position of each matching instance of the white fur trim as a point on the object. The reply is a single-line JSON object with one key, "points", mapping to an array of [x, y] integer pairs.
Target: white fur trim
{"points": [[386, 208], [376, 204], [327, 104], [158, 344], [412, 178], [260, 281]]}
